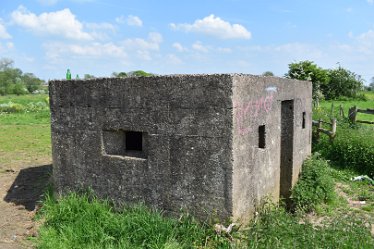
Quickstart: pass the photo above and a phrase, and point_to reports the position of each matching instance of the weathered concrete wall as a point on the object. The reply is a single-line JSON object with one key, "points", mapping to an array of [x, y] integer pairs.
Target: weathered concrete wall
{"points": [[181, 141], [186, 125], [257, 103]]}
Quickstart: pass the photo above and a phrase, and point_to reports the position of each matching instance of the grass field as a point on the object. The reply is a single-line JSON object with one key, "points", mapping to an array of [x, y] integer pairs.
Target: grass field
{"points": [[369, 103], [25, 136], [81, 221]]}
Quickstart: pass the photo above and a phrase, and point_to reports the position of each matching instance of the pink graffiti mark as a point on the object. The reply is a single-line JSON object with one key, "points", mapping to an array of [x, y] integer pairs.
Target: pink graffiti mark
{"points": [[251, 109]]}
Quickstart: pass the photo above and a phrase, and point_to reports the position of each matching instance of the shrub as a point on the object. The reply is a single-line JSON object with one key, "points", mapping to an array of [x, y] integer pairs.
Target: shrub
{"points": [[11, 107], [315, 185], [342, 82]]}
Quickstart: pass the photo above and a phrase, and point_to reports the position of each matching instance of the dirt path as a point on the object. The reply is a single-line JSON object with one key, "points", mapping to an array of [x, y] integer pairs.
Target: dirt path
{"points": [[21, 187]]}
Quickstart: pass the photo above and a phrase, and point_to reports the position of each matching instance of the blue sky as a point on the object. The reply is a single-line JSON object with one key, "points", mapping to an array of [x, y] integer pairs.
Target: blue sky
{"points": [[99, 37]]}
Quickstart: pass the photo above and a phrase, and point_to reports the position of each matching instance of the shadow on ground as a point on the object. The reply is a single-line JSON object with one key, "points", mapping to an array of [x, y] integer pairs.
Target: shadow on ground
{"points": [[29, 186]]}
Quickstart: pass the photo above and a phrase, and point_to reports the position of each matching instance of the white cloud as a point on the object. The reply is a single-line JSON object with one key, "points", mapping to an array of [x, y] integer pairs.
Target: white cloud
{"points": [[6, 47], [365, 42], [130, 20], [298, 50], [179, 47], [3, 33], [224, 50], [153, 42], [173, 59], [101, 26], [142, 48], [121, 19], [134, 21], [60, 23], [370, 1], [198, 46], [144, 55], [362, 44], [215, 26], [10, 45], [57, 50], [100, 30]]}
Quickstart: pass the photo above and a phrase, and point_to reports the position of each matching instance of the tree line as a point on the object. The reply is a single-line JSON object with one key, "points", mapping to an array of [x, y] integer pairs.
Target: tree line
{"points": [[14, 81], [136, 73], [327, 83]]}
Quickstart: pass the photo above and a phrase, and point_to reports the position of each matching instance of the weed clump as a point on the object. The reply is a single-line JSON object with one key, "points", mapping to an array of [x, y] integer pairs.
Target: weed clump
{"points": [[353, 149], [83, 221], [276, 228], [315, 185]]}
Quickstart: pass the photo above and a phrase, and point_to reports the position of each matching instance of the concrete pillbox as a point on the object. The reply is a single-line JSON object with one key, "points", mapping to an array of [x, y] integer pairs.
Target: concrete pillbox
{"points": [[209, 144]]}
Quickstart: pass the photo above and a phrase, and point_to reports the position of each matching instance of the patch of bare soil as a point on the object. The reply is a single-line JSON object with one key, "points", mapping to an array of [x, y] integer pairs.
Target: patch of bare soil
{"points": [[353, 206], [21, 188], [340, 187]]}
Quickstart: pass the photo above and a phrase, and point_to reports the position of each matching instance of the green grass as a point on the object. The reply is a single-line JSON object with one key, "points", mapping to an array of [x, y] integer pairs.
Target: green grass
{"points": [[34, 110], [361, 104], [23, 99], [24, 145], [275, 228], [83, 221], [353, 146], [356, 190], [369, 95], [25, 137]]}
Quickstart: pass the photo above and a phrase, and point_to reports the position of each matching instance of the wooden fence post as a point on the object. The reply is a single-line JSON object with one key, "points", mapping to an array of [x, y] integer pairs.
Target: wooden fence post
{"points": [[332, 110], [352, 113], [341, 111], [333, 129], [318, 129]]}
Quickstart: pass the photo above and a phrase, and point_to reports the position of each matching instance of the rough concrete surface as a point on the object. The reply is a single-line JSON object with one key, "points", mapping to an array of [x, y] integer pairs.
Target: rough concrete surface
{"points": [[190, 142]]}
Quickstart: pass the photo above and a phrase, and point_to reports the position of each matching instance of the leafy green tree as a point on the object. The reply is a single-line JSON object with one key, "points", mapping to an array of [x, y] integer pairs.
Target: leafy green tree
{"points": [[119, 75], [343, 82], [14, 81], [122, 75], [8, 77], [19, 89], [371, 85], [6, 63], [308, 70], [31, 82], [140, 73], [267, 73], [88, 76]]}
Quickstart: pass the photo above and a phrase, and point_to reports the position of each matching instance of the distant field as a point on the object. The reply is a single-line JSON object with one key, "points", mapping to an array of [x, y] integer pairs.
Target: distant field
{"points": [[25, 136], [348, 104], [23, 99]]}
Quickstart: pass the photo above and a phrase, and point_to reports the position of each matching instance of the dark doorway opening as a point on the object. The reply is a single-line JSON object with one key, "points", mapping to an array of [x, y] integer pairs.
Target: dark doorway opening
{"points": [[286, 150]]}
